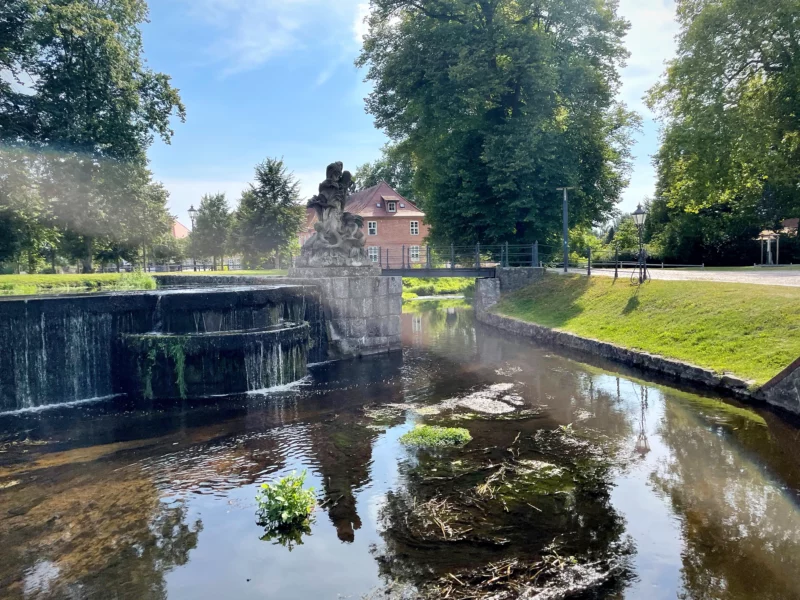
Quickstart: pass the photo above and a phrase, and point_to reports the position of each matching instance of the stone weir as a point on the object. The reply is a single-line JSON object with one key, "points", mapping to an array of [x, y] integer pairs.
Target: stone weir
{"points": [[160, 344], [362, 309]]}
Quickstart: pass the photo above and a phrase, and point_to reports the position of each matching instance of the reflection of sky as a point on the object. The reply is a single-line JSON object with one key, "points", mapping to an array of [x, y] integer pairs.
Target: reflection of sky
{"points": [[713, 477], [230, 552]]}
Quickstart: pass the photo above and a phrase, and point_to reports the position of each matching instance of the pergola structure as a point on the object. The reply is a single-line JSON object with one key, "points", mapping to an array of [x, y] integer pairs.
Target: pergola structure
{"points": [[768, 238]]}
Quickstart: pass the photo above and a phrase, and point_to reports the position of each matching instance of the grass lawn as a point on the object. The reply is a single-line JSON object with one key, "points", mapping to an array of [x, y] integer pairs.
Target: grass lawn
{"points": [[752, 331], [22, 285], [437, 286]]}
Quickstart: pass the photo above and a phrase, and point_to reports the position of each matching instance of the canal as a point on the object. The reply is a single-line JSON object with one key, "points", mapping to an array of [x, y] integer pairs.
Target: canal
{"points": [[581, 481]]}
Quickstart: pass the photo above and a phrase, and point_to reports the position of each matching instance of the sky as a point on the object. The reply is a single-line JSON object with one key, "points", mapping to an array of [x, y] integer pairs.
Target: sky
{"points": [[276, 78]]}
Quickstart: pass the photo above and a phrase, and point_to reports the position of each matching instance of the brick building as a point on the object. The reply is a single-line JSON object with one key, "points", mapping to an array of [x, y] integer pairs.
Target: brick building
{"points": [[393, 226]]}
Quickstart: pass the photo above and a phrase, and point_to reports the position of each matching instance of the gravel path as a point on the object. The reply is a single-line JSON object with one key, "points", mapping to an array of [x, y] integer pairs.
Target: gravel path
{"points": [[788, 277]]}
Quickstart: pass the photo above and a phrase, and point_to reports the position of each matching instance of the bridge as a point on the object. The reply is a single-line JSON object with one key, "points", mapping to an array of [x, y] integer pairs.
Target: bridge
{"points": [[457, 261]]}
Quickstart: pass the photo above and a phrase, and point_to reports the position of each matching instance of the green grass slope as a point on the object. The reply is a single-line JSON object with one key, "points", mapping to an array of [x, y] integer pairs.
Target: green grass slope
{"points": [[20, 285], [752, 331]]}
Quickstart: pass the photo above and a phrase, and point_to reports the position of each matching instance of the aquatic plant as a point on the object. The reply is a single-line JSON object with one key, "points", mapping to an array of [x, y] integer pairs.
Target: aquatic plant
{"points": [[430, 436], [285, 505]]}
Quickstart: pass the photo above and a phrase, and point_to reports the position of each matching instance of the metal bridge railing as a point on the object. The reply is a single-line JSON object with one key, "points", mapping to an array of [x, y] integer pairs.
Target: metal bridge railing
{"points": [[458, 257]]}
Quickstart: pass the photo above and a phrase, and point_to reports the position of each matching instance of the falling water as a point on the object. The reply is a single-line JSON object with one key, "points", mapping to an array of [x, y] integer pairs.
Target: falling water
{"points": [[56, 358]]}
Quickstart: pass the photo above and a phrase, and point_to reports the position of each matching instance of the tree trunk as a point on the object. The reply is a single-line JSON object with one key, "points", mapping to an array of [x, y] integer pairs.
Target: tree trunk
{"points": [[214, 260], [88, 267]]}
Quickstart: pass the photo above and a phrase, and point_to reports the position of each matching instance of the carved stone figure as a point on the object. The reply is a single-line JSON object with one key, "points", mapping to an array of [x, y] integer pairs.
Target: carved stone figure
{"points": [[338, 240]]}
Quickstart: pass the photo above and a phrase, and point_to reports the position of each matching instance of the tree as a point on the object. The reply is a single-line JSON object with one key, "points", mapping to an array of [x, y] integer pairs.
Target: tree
{"points": [[93, 110], [729, 162], [212, 228], [395, 167], [500, 102], [269, 218]]}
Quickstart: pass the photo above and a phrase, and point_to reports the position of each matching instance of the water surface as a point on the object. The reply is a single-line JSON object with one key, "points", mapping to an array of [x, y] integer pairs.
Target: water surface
{"points": [[589, 479]]}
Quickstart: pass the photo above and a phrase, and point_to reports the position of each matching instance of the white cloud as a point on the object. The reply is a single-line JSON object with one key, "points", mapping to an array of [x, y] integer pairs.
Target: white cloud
{"points": [[651, 42], [360, 26], [253, 32]]}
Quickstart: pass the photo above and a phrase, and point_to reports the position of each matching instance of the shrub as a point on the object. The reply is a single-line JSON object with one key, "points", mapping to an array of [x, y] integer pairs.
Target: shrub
{"points": [[285, 504], [137, 280], [430, 436]]}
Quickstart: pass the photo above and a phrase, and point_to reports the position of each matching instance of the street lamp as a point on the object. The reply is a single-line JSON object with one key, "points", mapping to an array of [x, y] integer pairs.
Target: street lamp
{"points": [[565, 211], [639, 217], [193, 216]]}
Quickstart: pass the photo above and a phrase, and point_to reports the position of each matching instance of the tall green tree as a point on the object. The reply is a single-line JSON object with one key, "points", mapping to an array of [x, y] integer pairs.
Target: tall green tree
{"points": [[92, 110], [212, 228], [729, 163], [500, 102], [270, 216], [395, 167]]}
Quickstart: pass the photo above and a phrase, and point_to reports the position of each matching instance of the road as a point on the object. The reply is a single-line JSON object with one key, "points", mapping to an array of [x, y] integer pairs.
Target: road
{"points": [[788, 277]]}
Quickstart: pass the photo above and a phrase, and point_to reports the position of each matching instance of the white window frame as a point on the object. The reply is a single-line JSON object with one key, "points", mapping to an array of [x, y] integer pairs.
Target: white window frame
{"points": [[414, 225], [391, 206], [413, 253], [374, 253], [372, 228]]}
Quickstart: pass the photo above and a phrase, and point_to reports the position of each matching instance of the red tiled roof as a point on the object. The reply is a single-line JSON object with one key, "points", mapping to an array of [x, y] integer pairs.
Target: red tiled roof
{"points": [[791, 224], [179, 231], [365, 203]]}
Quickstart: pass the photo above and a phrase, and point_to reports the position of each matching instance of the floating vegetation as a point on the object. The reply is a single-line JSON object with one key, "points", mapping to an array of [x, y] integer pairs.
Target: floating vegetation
{"points": [[552, 578], [284, 510], [430, 436], [384, 416]]}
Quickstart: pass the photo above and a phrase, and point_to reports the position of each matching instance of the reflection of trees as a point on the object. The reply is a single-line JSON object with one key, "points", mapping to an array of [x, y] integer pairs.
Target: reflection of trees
{"points": [[91, 533], [742, 533]]}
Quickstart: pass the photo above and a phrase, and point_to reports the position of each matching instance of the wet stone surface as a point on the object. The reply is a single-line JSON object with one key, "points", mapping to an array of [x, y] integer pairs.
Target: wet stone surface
{"points": [[577, 483]]}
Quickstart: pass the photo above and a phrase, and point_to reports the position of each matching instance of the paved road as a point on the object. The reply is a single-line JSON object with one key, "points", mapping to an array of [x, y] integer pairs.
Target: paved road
{"points": [[788, 277]]}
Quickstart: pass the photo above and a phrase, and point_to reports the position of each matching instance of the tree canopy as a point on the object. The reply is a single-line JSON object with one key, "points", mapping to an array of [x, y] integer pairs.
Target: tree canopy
{"points": [[212, 226], [729, 162], [270, 216], [499, 102], [78, 110], [395, 167]]}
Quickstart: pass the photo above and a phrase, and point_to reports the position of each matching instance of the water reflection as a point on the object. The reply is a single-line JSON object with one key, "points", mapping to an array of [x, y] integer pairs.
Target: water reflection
{"points": [[652, 491]]}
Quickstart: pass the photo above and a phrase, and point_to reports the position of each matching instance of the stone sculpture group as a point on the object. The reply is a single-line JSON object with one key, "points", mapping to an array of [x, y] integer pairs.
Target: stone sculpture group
{"points": [[337, 240]]}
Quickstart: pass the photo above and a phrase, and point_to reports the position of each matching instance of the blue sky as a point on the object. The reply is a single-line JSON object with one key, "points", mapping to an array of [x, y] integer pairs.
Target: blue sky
{"points": [[276, 78]]}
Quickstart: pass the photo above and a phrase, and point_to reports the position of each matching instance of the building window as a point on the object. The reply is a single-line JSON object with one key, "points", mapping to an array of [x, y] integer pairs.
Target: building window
{"points": [[391, 206], [372, 227], [413, 252], [374, 253], [414, 227]]}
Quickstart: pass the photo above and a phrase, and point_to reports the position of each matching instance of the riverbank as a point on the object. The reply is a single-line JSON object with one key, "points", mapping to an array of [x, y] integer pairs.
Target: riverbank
{"points": [[28, 285], [748, 331]]}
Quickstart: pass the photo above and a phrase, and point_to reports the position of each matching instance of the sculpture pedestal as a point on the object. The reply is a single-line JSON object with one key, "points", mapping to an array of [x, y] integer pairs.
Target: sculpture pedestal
{"points": [[362, 308]]}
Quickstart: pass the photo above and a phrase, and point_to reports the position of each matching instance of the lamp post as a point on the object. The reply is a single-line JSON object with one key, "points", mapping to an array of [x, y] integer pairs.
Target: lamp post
{"points": [[639, 217], [193, 215], [565, 210]]}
